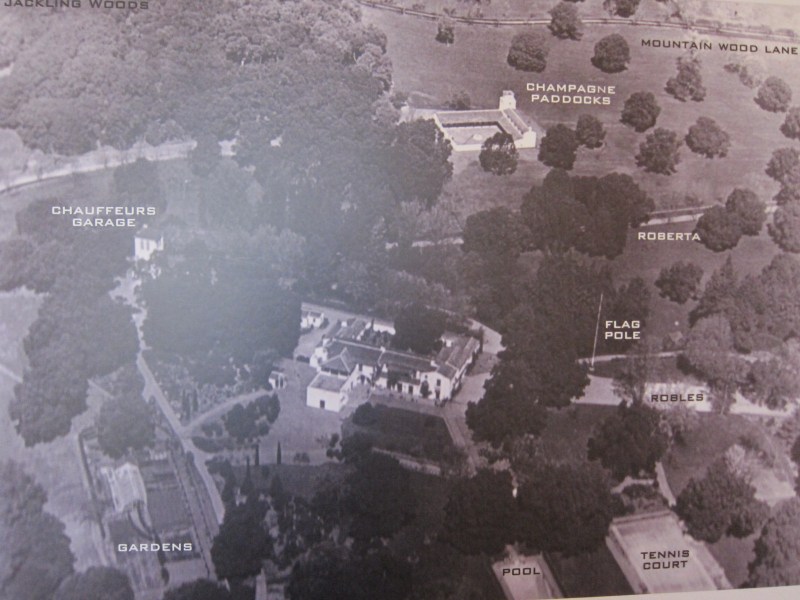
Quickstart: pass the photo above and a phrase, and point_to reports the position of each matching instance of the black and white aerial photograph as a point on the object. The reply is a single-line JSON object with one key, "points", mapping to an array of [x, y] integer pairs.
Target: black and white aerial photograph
{"points": [[399, 299]]}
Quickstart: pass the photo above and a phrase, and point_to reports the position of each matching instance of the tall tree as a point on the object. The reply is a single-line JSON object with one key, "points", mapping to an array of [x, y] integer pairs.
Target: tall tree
{"points": [[565, 509], [565, 22], [419, 329], [688, 83], [785, 227], [528, 52], [611, 54], [558, 147], [659, 153], [710, 350], [680, 281], [791, 125], [777, 548], [722, 503], [499, 154], [589, 131], [472, 529], [200, 589], [630, 383], [419, 147], [749, 210], [719, 229], [98, 583], [331, 573], [125, 423], [707, 138], [719, 295], [36, 556], [774, 95], [640, 111], [242, 542], [630, 441], [378, 497]]}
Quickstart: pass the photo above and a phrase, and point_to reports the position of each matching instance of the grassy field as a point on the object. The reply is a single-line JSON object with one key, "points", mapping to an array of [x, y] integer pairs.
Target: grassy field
{"points": [[707, 442], [404, 431], [733, 555], [646, 259], [592, 574], [476, 63], [56, 466], [664, 369], [568, 431]]}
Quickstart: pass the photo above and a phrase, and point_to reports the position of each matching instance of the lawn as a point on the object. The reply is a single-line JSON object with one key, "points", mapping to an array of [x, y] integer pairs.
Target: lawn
{"points": [[476, 63], [568, 431], [706, 443], [297, 480], [404, 431], [646, 259], [592, 574], [733, 555], [663, 369]]}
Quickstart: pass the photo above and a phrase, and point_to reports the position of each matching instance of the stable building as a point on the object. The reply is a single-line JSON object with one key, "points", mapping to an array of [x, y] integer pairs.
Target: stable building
{"points": [[467, 130]]}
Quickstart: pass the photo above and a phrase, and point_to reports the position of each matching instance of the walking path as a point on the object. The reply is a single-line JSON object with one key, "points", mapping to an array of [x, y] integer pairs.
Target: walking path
{"points": [[125, 291]]}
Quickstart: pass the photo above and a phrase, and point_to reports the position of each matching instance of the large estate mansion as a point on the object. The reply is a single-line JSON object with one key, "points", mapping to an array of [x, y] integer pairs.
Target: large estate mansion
{"points": [[356, 352]]}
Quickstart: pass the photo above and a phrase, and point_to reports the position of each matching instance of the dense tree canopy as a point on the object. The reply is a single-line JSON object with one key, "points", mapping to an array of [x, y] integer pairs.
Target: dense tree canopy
{"points": [[680, 281], [378, 497], [611, 54], [630, 441], [707, 138], [565, 509], [242, 542], [469, 526], [200, 589], [331, 573], [622, 8], [659, 152], [125, 423], [589, 131], [775, 382], [558, 147], [499, 154], [36, 556], [528, 52], [749, 210], [565, 22], [688, 83], [100, 583], [777, 548], [181, 56], [722, 503], [64, 353], [209, 307], [774, 95], [590, 214], [710, 350], [419, 329], [785, 227], [719, 229], [791, 125], [640, 111]]}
